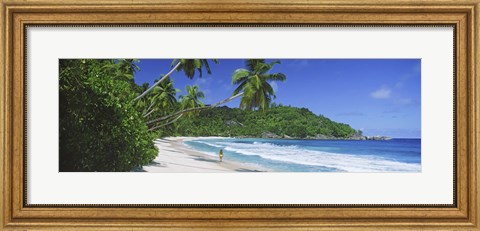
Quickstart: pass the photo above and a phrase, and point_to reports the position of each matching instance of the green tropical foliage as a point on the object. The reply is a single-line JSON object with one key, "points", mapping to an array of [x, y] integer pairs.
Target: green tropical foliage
{"points": [[190, 66], [255, 83], [162, 99], [109, 123], [123, 68], [193, 98], [100, 128], [281, 121]]}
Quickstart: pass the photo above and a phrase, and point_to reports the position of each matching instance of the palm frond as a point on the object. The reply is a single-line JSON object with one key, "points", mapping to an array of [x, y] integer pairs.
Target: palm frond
{"points": [[239, 88], [252, 63], [200, 95], [275, 62], [240, 75], [256, 81], [197, 64], [276, 76], [207, 66], [262, 68], [268, 89], [174, 62]]}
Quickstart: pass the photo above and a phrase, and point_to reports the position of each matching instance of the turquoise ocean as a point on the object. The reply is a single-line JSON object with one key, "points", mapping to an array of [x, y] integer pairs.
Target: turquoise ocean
{"points": [[282, 155]]}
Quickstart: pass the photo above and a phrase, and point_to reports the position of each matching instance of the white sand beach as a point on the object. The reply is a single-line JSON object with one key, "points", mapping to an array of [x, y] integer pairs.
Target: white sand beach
{"points": [[175, 156]]}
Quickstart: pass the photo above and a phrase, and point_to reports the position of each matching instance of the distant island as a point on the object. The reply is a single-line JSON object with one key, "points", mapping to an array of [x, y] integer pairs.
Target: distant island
{"points": [[279, 122]]}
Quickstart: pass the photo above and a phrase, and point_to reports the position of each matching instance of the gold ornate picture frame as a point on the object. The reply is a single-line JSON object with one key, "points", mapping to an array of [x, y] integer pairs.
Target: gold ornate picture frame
{"points": [[17, 15]]}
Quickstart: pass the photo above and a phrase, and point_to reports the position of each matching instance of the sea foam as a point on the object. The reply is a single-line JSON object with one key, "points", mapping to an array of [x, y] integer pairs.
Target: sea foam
{"points": [[298, 155]]}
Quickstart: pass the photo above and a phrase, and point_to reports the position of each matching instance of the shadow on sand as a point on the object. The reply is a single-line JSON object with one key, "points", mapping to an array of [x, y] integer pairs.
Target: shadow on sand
{"points": [[246, 170], [172, 150], [156, 164], [139, 170], [199, 158]]}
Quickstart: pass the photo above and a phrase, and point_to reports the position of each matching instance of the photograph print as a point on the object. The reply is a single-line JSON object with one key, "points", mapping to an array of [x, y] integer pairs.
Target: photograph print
{"points": [[240, 115]]}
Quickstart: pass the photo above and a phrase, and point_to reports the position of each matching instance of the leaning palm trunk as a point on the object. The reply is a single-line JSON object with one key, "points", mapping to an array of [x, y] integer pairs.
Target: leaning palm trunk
{"points": [[194, 109], [148, 113], [165, 124], [158, 82]]}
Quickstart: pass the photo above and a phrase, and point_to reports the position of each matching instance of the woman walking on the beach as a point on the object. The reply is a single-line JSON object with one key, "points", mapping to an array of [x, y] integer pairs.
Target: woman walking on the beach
{"points": [[221, 155]]}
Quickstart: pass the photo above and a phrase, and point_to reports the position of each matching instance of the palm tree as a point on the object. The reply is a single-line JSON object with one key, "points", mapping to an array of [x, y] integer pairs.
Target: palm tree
{"points": [[188, 103], [255, 83], [128, 67], [192, 99], [123, 68], [188, 66], [180, 113], [167, 94], [164, 96]]}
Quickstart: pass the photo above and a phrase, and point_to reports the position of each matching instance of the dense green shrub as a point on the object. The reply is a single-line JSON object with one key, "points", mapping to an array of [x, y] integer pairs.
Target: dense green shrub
{"points": [[100, 128], [279, 120]]}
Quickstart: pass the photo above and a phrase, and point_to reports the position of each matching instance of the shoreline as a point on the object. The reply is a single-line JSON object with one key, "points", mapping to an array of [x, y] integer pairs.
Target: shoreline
{"points": [[365, 138], [176, 157]]}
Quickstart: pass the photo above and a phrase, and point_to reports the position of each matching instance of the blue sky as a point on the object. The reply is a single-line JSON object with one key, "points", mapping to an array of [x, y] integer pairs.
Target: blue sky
{"points": [[377, 96]]}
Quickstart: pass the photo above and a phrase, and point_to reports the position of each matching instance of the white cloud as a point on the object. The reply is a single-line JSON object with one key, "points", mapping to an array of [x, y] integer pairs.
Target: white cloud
{"points": [[404, 101], [382, 93]]}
